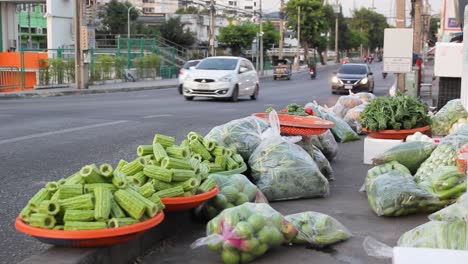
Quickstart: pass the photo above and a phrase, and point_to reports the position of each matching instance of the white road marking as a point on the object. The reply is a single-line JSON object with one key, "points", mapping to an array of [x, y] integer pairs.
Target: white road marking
{"points": [[155, 116], [62, 131]]}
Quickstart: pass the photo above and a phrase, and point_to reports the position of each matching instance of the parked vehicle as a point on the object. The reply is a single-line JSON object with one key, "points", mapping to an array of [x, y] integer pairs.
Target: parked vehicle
{"points": [[222, 77], [353, 77], [183, 72], [283, 69]]}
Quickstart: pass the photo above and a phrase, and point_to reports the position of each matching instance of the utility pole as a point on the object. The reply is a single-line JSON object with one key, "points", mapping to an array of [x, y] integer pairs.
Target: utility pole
{"points": [[337, 12], [400, 23], [261, 39], [417, 27], [298, 36], [212, 28], [78, 50], [281, 42], [29, 27]]}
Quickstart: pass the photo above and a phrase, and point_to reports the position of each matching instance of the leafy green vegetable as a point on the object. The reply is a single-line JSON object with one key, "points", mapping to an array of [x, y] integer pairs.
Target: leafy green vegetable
{"points": [[398, 112]]}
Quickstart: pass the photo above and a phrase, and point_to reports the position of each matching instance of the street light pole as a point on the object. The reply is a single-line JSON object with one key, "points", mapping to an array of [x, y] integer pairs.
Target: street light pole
{"points": [[128, 21], [337, 12]]}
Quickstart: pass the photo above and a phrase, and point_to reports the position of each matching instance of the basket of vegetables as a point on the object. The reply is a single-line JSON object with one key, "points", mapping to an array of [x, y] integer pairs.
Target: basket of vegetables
{"points": [[395, 117]]}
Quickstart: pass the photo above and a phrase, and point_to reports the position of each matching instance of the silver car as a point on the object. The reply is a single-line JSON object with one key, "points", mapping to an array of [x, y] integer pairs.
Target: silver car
{"points": [[184, 70], [222, 77]]}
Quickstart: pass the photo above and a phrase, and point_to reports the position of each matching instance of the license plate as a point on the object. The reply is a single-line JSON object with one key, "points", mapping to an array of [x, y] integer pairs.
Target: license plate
{"points": [[349, 87], [203, 86]]}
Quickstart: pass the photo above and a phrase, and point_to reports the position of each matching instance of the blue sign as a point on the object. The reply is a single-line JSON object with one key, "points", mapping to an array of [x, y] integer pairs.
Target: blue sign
{"points": [[453, 23]]}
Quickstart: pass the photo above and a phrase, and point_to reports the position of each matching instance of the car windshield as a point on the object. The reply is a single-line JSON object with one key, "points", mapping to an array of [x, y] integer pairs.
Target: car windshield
{"points": [[353, 69], [218, 64], [190, 64]]}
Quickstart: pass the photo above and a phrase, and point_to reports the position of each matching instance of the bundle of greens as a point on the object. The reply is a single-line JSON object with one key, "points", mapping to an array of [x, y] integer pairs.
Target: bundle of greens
{"points": [[293, 109], [398, 112], [234, 190], [447, 116], [317, 229], [246, 232], [446, 182], [243, 134], [437, 234]]}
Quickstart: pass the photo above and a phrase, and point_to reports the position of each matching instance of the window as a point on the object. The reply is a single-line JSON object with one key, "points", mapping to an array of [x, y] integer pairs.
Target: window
{"points": [[249, 65], [248, 7], [147, 10], [218, 64]]}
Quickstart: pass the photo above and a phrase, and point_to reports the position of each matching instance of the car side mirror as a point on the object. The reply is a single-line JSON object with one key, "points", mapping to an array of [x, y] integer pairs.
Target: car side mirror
{"points": [[243, 69], [192, 68]]}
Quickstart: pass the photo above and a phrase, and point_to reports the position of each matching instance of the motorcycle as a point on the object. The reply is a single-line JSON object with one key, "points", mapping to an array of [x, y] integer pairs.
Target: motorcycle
{"points": [[313, 73], [384, 75]]}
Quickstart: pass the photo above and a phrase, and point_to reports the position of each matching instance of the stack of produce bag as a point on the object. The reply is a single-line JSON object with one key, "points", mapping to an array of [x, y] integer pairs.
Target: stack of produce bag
{"points": [[458, 124], [365, 97], [447, 116], [320, 159], [245, 232], [342, 131], [344, 104], [242, 134], [391, 191], [233, 190], [325, 142], [353, 118], [409, 154], [317, 229], [455, 212], [283, 170]]}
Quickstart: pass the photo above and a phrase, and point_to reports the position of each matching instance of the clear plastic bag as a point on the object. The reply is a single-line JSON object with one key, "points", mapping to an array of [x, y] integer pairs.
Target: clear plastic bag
{"points": [[342, 131], [283, 170], [365, 97], [455, 212], [344, 104], [244, 134], [246, 232], [317, 229], [437, 234], [325, 142], [353, 118], [320, 159], [234, 190], [447, 116], [395, 193], [377, 249]]}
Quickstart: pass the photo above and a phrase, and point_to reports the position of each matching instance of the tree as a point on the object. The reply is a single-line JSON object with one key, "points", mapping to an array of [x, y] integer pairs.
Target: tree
{"points": [[193, 10], [173, 30], [238, 37], [433, 31], [114, 17], [314, 21], [372, 24], [271, 36]]}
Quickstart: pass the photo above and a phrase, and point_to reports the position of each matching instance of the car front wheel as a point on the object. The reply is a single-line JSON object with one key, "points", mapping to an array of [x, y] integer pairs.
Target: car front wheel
{"points": [[254, 96], [188, 98], [235, 94], [180, 89]]}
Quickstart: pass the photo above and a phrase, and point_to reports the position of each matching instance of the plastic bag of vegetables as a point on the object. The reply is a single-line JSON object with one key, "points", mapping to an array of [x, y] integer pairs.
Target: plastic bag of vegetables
{"points": [[325, 142], [246, 232], [418, 136], [243, 134], [446, 182], [395, 194], [344, 104], [444, 155], [283, 170], [235, 190], [381, 169], [317, 229], [321, 161], [409, 154], [458, 124], [455, 212], [342, 131], [437, 234], [447, 116], [353, 118], [365, 97]]}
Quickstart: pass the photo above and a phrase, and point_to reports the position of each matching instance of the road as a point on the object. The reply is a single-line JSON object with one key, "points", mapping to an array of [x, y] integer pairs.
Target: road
{"points": [[45, 139]]}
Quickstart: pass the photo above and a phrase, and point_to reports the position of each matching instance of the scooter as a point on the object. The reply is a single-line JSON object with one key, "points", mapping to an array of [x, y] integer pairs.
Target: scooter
{"points": [[313, 73], [384, 75]]}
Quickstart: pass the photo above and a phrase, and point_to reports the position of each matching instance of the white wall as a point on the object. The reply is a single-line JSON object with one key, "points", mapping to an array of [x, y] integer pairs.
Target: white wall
{"points": [[60, 29], [9, 25]]}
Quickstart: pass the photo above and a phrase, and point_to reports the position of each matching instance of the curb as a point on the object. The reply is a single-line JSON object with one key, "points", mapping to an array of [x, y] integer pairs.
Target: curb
{"points": [[173, 225]]}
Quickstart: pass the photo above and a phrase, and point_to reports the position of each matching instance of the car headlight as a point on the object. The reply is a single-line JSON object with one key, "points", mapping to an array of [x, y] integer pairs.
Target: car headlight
{"points": [[226, 79], [335, 79], [364, 81]]}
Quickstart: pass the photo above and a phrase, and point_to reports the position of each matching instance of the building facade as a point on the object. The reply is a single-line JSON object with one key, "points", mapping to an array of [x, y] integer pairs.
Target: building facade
{"points": [[152, 7], [32, 25]]}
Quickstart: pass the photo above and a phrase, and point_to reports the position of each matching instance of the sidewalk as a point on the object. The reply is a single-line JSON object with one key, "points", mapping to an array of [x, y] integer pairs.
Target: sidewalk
{"points": [[117, 87]]}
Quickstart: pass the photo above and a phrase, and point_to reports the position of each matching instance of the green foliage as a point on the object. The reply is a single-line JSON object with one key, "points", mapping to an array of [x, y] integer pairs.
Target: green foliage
{"points": [[173, 30], [238, 37], [148, 66], [271, 36], [107, 67], [372, 25], [114, 17], [56, 71], [192, 10]]}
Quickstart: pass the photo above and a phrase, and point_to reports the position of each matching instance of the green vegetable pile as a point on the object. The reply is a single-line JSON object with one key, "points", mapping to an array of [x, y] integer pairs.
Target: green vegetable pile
{"points": [[317, 229], [447, 116], [283, 170], [398, 112], [293, 109], [246, 232], [455, 212], [446, 182], [235, 190], [243, 134]]}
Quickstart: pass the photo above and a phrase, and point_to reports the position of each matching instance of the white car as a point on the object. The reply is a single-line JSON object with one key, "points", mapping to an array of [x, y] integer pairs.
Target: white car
{"points": [[222, 77], [184, 71]]}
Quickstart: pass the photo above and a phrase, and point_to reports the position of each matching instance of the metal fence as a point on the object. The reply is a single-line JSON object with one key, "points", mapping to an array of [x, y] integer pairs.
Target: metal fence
{"points": [[10, 79]]}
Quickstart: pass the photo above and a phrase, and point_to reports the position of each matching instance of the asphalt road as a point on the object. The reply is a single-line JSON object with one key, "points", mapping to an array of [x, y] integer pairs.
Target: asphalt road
{"points": [[46, 139]]}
